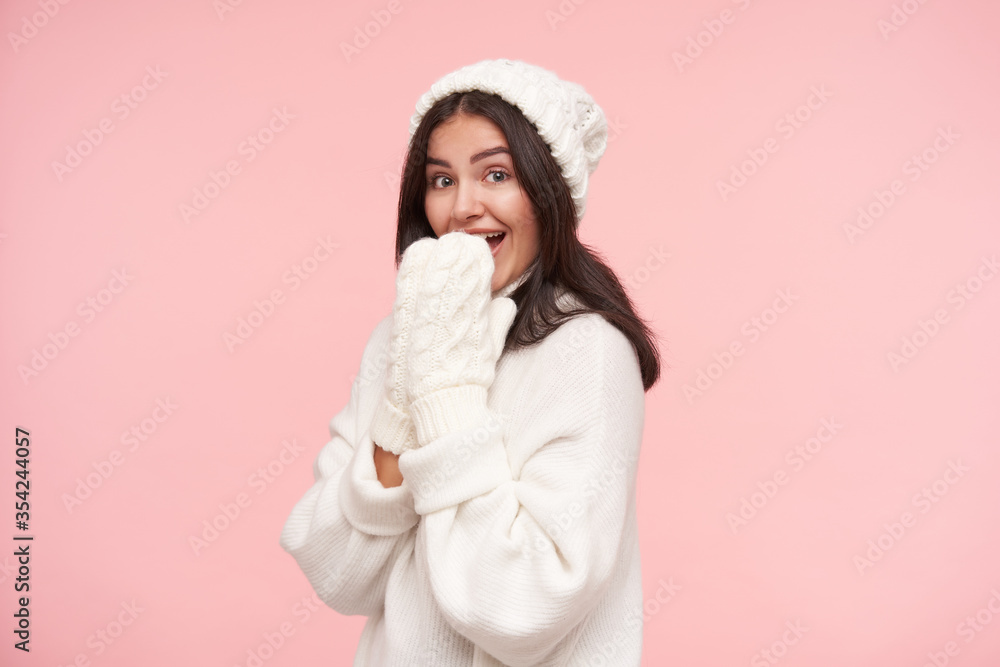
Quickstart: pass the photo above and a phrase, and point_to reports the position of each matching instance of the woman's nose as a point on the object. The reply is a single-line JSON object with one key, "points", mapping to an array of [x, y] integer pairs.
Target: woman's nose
{"points": [[467, 203]]}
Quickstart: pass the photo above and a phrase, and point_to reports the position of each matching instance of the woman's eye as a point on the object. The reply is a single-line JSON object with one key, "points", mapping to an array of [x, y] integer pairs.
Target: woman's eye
{"points": [[442, 181]]}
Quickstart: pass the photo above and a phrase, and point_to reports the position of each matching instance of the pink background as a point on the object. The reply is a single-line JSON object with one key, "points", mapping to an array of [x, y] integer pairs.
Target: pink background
{"points": [[331, 173]]}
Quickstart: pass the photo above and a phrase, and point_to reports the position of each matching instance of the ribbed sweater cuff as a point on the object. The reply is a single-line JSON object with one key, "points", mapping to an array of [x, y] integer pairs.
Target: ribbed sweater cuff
{"points": [[369, 506], [448, 410], [457, 467], [392, 429]]}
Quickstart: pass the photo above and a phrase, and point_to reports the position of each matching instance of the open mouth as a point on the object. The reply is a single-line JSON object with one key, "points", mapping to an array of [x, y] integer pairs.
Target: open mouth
{"points": [[494, 240]]}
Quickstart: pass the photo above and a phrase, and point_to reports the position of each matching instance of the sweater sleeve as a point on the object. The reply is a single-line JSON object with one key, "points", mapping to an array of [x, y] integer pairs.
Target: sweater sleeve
{"points": [[346, 530], [520, 539]]}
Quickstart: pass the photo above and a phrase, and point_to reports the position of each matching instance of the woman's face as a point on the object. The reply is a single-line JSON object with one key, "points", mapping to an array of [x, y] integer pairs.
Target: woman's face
{"points": [[472, 187]]}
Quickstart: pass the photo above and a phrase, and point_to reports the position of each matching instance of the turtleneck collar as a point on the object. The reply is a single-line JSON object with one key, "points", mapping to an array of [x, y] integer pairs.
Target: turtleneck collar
{"points": [[561, 292], [508, 289]]}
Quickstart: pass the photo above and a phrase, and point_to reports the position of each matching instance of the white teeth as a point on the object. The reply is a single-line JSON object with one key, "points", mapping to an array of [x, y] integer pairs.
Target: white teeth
{"points": [[486, 235]]}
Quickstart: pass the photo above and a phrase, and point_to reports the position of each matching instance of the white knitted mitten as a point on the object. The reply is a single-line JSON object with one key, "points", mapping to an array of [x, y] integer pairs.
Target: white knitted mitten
{"points": [[391, 427], [457, 336]]}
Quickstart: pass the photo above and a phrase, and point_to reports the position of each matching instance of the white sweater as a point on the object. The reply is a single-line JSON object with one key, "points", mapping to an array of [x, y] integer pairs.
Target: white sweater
{"points": [[511, 543]]}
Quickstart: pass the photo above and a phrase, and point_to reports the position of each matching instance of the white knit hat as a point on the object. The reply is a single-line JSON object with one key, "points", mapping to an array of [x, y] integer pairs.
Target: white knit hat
{"points": [[566, 117]]}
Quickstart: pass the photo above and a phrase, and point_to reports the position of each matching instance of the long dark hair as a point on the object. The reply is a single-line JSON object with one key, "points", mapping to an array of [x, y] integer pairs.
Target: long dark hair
{"points": [[562, 261]]}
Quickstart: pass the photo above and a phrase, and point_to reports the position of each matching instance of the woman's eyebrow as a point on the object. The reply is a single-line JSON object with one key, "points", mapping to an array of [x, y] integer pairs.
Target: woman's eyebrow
{"points": [[472, 160]]}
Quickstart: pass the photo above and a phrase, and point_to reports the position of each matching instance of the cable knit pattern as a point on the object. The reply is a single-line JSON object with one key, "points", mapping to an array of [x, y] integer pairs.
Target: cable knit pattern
{"points": [[510, 542], [457, 336], [449, 329], [392, 427]]}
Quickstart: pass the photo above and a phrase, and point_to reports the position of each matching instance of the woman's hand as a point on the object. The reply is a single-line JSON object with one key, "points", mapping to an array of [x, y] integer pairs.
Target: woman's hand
{"points": [[456, 338], [387, 468]]}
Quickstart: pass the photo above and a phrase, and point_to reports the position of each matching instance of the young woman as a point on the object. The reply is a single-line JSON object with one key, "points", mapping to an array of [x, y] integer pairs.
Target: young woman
{"points": [[477, 498]]}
